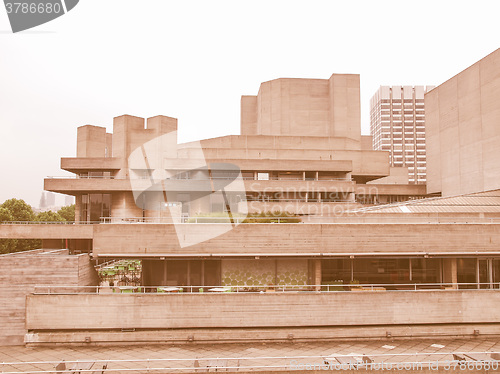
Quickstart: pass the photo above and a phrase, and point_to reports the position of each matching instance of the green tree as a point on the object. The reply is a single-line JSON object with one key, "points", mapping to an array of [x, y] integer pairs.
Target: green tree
{"points": [[19, 210], [8, 245], [5, 215], [67, 212], [49, 216]]}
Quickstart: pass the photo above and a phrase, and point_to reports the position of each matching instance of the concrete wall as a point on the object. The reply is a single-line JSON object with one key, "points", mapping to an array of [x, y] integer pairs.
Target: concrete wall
{"points": [[54, 231], [345, 107], [21, 272], [398, 175], [290, 142], [431, 310], [248, 115], [462, 131], [305, 107], [297, 238], [91, 141]]}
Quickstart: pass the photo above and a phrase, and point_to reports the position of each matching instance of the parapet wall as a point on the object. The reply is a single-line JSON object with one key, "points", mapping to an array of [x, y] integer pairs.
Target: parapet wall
{"points": [[155, 316]]}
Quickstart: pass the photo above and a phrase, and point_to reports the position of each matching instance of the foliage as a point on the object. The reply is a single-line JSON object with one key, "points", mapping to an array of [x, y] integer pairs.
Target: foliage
{"points": [[8, 245], [67, 212], [5, 215], [49, 216], [19, 210]]}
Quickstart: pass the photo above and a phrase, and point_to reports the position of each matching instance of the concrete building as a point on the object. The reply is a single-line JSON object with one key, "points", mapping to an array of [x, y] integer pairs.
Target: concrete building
{"points": [[463, 132], [397, 125], [300, 152], [180, 208]]}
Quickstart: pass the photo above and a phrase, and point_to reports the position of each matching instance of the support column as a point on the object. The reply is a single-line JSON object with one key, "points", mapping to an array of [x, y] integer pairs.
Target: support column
{"points": [[450, 271], [78, 207], [317, 274]]}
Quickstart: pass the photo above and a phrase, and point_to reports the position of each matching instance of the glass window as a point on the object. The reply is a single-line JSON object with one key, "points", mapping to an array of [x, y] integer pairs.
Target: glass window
{"points": [[95, 206], [466, 271], [382, 271], [425, 270]]}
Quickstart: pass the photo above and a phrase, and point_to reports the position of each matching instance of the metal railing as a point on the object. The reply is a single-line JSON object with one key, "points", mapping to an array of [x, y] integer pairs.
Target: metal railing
{"points": [[186, 219], [344, 218], [340, 218], [49, 222], [306, 288], [346, 179], [415, 361]]}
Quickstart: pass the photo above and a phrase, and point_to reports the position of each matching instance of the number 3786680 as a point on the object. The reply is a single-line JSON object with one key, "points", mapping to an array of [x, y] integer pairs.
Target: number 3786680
{"points": [[32, 8]]}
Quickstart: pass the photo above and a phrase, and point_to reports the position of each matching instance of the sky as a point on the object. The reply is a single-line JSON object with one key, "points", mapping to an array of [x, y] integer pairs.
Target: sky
{"points": [[193, 60]]}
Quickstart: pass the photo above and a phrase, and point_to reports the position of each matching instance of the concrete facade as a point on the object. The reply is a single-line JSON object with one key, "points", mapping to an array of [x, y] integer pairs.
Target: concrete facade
{"points": [[304, 107], [463, 138], [301, 142], [139, 193], [154, 318], [20, 273]]}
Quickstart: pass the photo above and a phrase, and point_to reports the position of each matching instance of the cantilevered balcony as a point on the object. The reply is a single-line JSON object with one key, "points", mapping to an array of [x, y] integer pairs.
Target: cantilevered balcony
{"points": [[84, 164]]}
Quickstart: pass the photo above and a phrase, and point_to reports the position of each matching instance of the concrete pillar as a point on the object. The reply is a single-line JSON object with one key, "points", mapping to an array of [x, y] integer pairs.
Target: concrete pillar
{"points": [[450, 271], [78, 207], [317, 274]]}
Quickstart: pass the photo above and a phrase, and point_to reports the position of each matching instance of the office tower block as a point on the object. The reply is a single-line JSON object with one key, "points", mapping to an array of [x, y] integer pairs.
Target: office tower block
{"points": [[397, 124]]}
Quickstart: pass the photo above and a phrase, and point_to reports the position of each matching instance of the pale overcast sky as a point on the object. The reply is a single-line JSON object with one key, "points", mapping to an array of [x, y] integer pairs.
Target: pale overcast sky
{"points": [[194, 59]]}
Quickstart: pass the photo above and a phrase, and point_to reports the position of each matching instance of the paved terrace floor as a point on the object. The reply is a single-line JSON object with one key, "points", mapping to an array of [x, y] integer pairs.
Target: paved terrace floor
{"points": [[262, 357]]}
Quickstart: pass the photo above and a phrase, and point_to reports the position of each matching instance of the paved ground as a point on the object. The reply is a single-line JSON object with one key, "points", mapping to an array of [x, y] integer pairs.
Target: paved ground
{"points": [[254, 355]]}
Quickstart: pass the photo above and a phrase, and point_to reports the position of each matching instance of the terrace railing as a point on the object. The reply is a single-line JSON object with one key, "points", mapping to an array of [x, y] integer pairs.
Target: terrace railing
{"points": [[345, 179], [320, 288]]}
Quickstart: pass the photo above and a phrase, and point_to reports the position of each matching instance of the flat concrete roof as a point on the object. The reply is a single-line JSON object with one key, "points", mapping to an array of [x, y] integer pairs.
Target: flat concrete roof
{"points": [[256, 354]]}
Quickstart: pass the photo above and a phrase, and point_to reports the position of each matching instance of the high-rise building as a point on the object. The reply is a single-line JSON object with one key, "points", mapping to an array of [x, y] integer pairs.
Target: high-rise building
{"points": [[50, 199], [69, 200], [397, 124], [43, 201]]}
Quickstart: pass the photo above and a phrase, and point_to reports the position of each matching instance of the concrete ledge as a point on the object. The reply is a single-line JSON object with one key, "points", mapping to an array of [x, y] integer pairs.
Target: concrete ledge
{"points": [[248, 335], [295, 238]]}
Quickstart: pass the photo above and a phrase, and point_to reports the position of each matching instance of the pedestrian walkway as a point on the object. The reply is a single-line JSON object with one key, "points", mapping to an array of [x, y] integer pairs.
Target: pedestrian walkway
{"points": [[192, 357]]}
